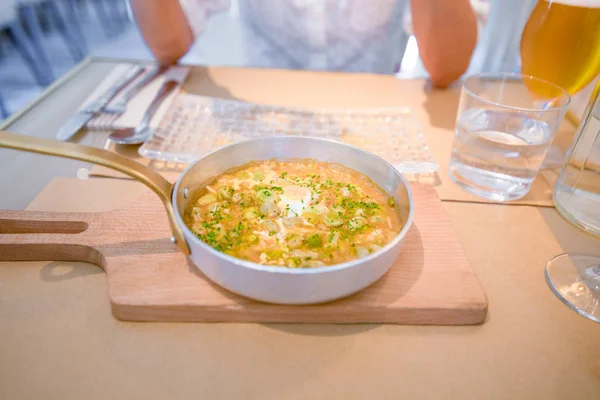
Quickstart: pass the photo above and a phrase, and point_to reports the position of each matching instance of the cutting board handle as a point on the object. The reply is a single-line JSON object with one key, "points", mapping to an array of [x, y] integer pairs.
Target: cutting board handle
{"points": [[21, 222], [40, 236]]}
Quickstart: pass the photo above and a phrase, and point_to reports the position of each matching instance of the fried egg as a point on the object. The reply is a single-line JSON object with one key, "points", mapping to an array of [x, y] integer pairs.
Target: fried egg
{"points": [[294, 200]]}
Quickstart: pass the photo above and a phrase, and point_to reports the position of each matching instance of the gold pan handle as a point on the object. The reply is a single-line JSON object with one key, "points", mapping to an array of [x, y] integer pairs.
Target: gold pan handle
{"points": [[155, 181]]}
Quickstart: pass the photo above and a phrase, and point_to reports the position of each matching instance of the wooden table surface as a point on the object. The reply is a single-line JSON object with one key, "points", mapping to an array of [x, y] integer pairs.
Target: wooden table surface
{"points": [[59, 340]]}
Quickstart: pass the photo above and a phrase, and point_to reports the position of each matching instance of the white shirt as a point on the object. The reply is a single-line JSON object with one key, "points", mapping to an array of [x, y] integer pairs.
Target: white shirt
{"points": [[339, 35]]}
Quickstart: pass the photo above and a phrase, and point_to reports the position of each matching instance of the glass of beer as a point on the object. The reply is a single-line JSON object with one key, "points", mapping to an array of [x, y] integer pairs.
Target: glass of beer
{"points": [[561, 44]]}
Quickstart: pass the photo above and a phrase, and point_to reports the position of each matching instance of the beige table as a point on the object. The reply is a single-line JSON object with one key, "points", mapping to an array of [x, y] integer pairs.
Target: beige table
{"points": [[59, 340]]}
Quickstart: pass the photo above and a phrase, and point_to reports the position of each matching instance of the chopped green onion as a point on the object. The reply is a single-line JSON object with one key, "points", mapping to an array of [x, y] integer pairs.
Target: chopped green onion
{"points": [[274, 253], [251, 214], [314, 241], [251, 238], [225, 193], [311, 217], [265, 195], [332, 219]]}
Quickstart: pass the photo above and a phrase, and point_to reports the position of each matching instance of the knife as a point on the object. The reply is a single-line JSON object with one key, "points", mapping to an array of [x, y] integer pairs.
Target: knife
{"points": [[73, 124], [120, 105]]}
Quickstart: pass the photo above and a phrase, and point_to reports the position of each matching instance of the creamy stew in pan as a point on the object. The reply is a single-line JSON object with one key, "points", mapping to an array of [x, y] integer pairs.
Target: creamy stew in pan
{"points": [[299, 214]]}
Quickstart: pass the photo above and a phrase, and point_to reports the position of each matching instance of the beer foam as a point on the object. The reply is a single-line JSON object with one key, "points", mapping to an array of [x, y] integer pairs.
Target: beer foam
{"points": [[578, 3]]}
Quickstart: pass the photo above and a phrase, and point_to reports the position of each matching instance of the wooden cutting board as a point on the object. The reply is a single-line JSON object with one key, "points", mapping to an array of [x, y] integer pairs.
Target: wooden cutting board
{"points": [[149, 280]]}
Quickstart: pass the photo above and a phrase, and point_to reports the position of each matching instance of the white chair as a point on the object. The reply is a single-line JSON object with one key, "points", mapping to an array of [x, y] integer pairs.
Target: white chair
{"points": [[9, 21], [112, 15], [72, 36]]}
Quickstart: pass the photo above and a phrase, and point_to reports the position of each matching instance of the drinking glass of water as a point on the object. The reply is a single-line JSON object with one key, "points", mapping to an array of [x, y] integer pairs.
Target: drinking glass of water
{"points": [[504, 126]]}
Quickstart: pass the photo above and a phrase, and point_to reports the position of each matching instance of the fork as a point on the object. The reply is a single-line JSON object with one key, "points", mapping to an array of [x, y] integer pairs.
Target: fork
{"points": [[107, 115], [139, 133], [99, 104], [102, 121], [120, 105]]}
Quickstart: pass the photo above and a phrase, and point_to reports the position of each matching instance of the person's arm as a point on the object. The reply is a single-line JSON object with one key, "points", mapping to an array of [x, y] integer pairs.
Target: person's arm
{"points": [[164, 27], [446, 33]]}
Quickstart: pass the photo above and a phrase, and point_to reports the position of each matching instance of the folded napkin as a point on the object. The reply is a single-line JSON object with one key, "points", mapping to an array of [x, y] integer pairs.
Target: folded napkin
{"points": [[139, 103]]}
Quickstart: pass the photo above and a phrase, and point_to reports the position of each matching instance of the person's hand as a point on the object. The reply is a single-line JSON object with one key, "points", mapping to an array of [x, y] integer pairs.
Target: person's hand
{"points": [[164, 27], [446, 33]]}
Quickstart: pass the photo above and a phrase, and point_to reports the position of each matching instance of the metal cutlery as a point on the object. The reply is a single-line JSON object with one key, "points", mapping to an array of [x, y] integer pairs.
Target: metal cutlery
{"points": [[120, 105], [74, 123], [101, 101], [141, 131], [102, 122]]}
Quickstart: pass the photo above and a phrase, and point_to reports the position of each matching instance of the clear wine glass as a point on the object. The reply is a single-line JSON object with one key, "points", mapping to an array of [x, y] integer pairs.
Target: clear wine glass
{"points": [[575, 279]]}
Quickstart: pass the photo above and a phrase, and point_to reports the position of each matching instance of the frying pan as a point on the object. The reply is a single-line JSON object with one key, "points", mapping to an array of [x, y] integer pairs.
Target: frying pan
{"points": [[271, 284]]}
